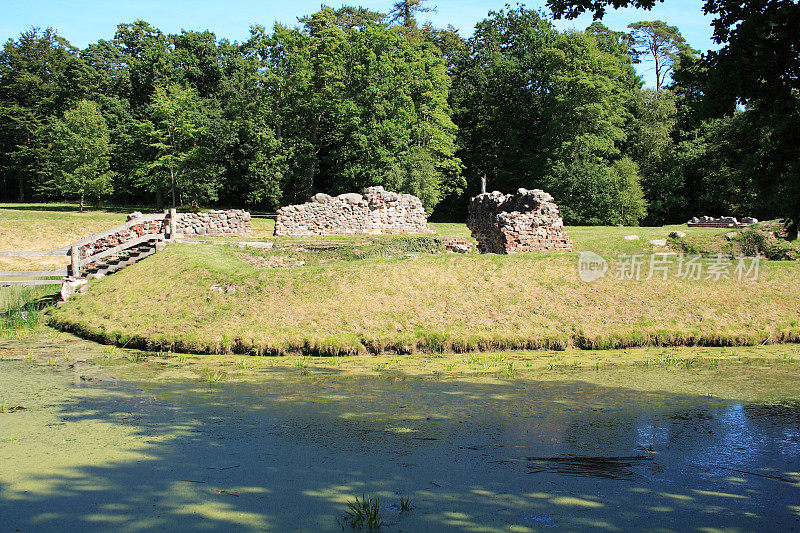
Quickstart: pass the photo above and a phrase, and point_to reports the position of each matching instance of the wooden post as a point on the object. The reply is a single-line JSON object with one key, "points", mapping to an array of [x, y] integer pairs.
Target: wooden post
{"points": [[483, 184], [173, 223], [75, 262]]}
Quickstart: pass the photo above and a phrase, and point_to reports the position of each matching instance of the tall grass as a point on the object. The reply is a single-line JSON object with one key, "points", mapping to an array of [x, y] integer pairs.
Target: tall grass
{"points": [[21, 308]]}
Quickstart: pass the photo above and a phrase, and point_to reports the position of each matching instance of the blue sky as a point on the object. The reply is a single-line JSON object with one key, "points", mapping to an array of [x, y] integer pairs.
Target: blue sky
{"points": [[86, 21]]}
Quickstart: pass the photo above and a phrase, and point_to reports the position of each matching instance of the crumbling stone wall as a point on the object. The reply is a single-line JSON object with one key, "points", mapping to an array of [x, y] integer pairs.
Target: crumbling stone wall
{"points": [[521, 222], [721, 222], [233, 222], [377, 212]]}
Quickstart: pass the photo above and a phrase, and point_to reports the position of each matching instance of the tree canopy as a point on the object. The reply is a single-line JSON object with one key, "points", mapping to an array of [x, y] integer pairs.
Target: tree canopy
{"points": [[349, 97]]}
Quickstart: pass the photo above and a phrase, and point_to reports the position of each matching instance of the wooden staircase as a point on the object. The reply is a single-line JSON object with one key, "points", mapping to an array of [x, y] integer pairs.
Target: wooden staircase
{"points": [[97, 255], [124, 258]]}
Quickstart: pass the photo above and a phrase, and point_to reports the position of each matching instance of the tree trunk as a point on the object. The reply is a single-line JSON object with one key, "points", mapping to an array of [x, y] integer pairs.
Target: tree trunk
{"points": [[658, 74], [172, 184], [21, 189], [159, 200], [81, 208]]}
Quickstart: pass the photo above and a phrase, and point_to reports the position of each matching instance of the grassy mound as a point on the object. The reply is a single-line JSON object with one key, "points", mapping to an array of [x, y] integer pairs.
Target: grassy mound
{"points": [[356, 295]]}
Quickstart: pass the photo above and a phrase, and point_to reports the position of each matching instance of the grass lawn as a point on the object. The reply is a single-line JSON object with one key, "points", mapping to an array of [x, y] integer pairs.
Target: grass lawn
{"points": [[363, 294], [384, 294], [47, 227]]}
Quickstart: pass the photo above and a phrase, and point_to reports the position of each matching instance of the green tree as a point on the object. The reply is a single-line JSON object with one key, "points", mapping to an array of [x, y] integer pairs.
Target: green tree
{"points": [[654, 149], [416, 174], [629, 205], [756, 67], [405, 12], [174, 131], [539, 108], [35, 85], [348, 100], [659, 42], [80, 152]]}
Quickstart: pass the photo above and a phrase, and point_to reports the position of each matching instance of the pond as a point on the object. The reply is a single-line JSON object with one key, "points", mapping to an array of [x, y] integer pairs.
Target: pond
{"points": [[81, 449]]}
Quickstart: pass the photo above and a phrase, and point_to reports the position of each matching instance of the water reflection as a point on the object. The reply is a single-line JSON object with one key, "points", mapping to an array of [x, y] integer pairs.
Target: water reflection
{"points": [[286, 454]]}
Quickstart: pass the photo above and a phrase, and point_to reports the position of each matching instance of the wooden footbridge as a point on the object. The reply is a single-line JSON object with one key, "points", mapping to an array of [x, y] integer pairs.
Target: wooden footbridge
{"points": [[98, 254]]}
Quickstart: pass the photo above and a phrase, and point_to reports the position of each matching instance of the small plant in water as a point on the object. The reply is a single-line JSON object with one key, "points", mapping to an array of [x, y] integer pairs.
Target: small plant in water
{"points": [[242, 364], [212, 376], [510, 369], [405, 504], [3, 406], [379, 367], [30, 357], [51, 361], [364, 512], [181, 358], [137, 357]]}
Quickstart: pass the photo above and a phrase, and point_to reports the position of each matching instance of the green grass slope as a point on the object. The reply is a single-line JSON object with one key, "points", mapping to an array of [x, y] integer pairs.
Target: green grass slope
{"points": [[369, 295]]}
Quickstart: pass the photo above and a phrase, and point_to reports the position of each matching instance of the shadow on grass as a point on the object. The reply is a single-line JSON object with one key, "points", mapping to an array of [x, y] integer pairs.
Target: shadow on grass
{"points": [[287, 455], [73, 208]]}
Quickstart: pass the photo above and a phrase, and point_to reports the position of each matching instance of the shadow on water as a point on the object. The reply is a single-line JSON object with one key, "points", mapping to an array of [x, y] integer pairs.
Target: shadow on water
{"points": [[286, 455]]}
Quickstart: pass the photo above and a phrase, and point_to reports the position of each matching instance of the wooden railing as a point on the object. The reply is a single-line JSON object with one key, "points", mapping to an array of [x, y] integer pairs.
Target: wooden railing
{"points": [[82, 252], [61, 273]]}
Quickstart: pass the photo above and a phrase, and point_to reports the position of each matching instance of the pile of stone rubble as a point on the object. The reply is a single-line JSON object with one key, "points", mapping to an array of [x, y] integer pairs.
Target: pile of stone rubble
{"points": [[520, 222]]}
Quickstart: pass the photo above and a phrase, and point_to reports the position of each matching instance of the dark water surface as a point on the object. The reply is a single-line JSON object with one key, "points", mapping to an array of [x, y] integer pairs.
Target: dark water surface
{"points": [[287, 454]]}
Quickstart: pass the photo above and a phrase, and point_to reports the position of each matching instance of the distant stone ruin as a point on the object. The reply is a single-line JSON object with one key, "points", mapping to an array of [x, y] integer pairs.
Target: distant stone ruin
{"points": [[721, 222], [522, 222], [377, 212], [231, 222]]}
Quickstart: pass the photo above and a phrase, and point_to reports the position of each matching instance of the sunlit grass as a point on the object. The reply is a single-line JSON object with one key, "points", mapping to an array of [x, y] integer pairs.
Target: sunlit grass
{"points": [[357, 295], [420, 303]]}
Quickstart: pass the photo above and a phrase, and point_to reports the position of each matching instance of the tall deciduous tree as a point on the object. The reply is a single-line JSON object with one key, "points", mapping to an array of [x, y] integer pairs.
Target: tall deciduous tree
{"points": [[757, 67], [80, 154], [539, 108], [354, 102], [34, 86], [175, 130], [654, 149]]}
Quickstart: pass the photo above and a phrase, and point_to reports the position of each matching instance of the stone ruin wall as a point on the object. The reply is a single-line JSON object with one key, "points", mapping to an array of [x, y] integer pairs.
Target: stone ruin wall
{"points": [[229, 223], [721, 222], [522, 222], [235, 222], [377, 212]]}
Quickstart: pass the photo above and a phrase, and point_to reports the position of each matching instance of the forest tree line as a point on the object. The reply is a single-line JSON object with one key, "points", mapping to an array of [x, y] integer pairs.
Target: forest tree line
{"points": [[350, 98]]}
